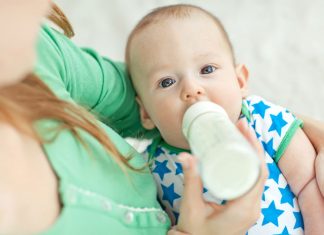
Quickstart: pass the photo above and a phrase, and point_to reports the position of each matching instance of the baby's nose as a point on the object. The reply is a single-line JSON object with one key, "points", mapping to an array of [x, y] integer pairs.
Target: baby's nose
{"points": [[193, 94]]}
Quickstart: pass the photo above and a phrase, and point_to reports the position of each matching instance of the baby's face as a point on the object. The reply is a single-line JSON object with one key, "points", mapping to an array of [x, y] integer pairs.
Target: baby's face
{"points": [[177, 62]]}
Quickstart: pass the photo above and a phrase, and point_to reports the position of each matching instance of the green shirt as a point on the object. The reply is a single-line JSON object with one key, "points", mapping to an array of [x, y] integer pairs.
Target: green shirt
{"points": [[97, 195]]}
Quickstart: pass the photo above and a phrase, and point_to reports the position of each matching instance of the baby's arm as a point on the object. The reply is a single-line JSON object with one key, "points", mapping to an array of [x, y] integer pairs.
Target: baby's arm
{"points": [[297, 165], [319, 168], [315, 132]]}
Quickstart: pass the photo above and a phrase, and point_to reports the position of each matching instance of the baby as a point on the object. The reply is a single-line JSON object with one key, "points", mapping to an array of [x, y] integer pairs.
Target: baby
{"points": [[180, 54]]}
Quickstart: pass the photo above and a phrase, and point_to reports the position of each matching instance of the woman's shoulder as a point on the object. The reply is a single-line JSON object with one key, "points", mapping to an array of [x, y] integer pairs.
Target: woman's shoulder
{"points": [[13, 143], [26, 178]]}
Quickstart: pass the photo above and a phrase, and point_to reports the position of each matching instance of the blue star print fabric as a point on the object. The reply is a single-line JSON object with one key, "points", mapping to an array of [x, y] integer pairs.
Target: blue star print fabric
{"points": [[274, 127]]}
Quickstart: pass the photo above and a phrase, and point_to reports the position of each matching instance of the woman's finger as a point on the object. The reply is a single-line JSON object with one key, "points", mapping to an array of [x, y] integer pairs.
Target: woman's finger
{"points": [[247, 208], [249, 135], [192, 182], [192, 202], [251, 201]]}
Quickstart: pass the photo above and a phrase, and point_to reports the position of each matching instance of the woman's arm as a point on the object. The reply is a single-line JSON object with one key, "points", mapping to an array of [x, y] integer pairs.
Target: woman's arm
{"points": [[82, 76]]}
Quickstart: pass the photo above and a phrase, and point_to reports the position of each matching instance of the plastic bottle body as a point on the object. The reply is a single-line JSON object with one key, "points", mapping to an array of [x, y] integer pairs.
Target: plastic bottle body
{"points": [[229, 164]]}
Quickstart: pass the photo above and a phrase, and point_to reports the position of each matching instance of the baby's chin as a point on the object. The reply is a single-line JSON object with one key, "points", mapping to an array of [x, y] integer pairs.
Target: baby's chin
{"points": [[235, 116], [180, 143]]}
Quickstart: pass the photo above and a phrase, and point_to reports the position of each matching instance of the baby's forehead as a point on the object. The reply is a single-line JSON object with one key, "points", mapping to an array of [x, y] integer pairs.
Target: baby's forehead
{"points": [[163, 26], [201, 22], [194, 16]]}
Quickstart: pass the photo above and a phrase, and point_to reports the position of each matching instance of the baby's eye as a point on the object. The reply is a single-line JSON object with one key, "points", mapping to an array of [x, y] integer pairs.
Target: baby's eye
{"points": [[166, 82], [208, 69]]}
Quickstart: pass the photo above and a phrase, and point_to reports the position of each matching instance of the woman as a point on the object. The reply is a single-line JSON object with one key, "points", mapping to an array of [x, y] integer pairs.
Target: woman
{"points": [[64, 172]]}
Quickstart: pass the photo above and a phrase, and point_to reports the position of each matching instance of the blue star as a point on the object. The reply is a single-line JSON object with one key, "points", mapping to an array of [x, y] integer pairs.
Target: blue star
{"points": [[271, 214], [299, 220], [284, 232], [179, 168], [268, 147], [265, 189], [161, 168], [287, 196], [158, 152], [169, 194], [260, 108], [277, 123], [274, 172]]}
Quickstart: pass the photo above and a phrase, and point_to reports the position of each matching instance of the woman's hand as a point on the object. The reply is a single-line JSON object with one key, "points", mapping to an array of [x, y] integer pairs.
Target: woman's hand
{"points": [[236, 217]]}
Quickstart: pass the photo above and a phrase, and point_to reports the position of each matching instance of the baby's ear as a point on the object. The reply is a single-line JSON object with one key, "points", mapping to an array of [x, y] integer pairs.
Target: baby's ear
{"points": [[242, 74], [147, 123]]}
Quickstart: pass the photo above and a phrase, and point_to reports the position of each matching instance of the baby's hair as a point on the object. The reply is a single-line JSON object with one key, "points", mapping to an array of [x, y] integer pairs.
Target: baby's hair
{"points": [[178, 11]]}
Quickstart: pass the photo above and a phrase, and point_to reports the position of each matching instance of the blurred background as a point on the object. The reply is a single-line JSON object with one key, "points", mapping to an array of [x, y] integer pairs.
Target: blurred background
{"points": [[281, 41]]}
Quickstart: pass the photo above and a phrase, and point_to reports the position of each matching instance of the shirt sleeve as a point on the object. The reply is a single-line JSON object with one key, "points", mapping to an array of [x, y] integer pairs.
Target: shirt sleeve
{"points": [[84, 77], [274, 125]]}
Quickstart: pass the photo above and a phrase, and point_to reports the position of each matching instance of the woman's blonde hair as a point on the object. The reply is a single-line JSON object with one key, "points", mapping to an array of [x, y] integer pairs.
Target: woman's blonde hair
{"points": [[30, 100]]}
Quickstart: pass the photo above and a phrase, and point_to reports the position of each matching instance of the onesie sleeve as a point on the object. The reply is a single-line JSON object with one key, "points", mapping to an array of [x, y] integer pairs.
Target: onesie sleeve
{"points": [[274, 125]]}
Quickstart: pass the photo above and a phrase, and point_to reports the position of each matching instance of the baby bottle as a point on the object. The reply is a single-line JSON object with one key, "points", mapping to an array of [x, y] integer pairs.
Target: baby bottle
{"points": [[229, 166]]}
